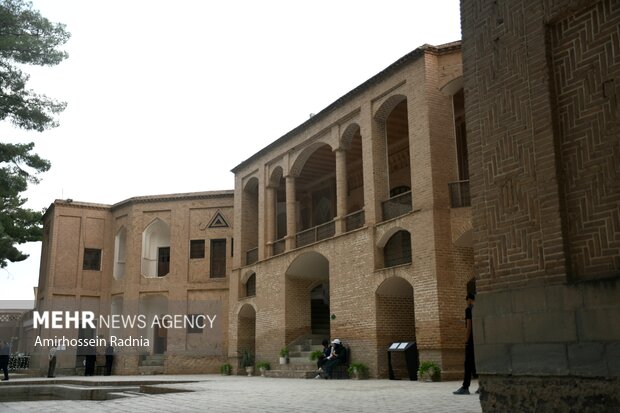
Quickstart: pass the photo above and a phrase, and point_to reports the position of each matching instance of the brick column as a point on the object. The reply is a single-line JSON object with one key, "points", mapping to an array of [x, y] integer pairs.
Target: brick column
{"points": [[270, 207], [291, 213], [341, 190]]}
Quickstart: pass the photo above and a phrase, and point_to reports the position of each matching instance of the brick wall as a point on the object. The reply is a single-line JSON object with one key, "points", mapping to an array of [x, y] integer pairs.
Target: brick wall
{"points": [[541, 111]]}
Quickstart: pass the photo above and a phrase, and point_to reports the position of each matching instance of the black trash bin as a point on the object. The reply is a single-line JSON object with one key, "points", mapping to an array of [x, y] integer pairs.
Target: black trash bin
{"points": [[409, 350]]}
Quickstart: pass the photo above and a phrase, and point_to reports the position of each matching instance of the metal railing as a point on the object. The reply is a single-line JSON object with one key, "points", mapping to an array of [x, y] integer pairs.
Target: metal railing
{"points": [[397, 206], [459, 194], [251, 256], [354, 220], [315, 234], [279, 246]]}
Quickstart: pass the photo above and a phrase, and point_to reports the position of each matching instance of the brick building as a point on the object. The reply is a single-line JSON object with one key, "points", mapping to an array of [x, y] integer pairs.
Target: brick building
{"points": [[354, 225], [345, 226], [542, 98], [154, 255]]}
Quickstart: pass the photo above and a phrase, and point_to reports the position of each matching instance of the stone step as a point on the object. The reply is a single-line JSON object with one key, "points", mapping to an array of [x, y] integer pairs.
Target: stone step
{"points": [[291, 374], [297, 365], [150, 370]]}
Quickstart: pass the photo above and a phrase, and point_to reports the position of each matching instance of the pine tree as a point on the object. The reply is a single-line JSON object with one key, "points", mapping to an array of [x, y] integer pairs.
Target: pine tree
{"points": [[26, 38]]}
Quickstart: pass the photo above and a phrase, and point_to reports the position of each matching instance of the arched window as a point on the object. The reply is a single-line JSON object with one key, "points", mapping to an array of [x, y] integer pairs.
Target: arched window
{"points": [[156, 249], [120, 242], [397, 250], [250, 286]]}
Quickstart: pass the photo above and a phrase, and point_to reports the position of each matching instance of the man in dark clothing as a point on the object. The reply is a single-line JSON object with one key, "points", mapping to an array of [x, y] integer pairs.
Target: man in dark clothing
{"points": [[109, 359], [470, 362], [5, 352], [91, 359], [337, 356]]}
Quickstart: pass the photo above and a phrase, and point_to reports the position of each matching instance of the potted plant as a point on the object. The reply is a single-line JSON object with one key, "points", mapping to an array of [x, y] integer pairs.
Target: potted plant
{"points": [[358, 371], [247, 362], [263, 366], [315, 355], [226, 369], [429, 371], [284, 355]]}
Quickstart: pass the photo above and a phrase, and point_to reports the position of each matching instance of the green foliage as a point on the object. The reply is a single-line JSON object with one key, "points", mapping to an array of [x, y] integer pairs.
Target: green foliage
{"points": [[358, 371], [263, 365], [226, 369], [18, 167], [429, 369], [284, 352], [315, 355], [358, 368], [247, 358], [26, 37]]}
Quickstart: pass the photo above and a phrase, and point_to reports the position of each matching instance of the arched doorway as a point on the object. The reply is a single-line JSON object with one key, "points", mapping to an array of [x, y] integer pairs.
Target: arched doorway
{"points": [[246, 330], [395, 322], [307, 296], [319, 310]]}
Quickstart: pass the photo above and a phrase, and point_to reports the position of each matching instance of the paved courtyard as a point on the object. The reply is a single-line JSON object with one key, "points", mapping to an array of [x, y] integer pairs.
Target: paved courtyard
{"points": [[214, 393]]}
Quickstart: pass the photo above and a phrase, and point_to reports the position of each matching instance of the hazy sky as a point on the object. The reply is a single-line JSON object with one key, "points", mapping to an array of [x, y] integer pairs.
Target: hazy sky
{"points": [[167, 97]]}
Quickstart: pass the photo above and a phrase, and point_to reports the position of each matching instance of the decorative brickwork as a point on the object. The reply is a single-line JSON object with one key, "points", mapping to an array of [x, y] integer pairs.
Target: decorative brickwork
{"points": [[585, 54], [542, 126]]}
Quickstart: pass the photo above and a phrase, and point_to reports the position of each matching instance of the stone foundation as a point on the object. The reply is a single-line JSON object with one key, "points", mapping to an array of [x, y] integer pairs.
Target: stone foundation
{"points": [[549, 394]]}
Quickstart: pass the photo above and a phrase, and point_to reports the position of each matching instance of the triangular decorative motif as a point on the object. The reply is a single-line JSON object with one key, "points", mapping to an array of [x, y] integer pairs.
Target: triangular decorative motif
{"points": [[218, 221]]}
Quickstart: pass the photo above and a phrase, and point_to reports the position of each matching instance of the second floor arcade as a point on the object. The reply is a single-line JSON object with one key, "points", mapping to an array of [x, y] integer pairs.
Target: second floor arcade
{"points": [[389, 147]]}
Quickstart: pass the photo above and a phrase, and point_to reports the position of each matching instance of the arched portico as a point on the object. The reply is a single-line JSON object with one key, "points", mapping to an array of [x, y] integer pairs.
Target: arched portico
{"points": [[307, 296]]}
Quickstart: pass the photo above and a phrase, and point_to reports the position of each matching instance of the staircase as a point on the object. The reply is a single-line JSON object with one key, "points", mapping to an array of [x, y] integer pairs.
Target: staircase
{"points": [[152, 364], [299, 366], [320, 318]]}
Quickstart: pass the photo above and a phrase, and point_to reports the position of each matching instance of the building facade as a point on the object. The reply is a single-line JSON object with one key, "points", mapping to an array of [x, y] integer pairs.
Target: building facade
{"points": [[543, 107], [356, 225], [155, 256]]}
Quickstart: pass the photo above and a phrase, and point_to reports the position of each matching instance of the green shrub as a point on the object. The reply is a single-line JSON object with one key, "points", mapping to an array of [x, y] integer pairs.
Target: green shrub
{"points": [[359, 369], [429, 369], [263, 365], [315, 355], [284, 352], [247, 359], [226, 369]]}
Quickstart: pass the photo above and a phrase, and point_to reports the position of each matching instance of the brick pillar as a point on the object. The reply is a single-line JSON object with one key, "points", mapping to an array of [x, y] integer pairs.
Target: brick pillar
{"points": [[270, 208], [341, 190], [291, 213]]}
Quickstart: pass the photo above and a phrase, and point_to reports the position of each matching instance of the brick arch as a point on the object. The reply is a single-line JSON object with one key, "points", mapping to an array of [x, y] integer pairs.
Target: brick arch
{"points": [[452, 85], [242, 308], [388, 234], [245, 277], [386, 107], [305, 154], [348, 134], [276, 175], [381, 286], [251, 184]]}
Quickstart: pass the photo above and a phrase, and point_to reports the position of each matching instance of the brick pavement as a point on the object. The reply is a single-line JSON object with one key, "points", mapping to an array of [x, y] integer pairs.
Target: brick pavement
{"points": [[216, 393]]}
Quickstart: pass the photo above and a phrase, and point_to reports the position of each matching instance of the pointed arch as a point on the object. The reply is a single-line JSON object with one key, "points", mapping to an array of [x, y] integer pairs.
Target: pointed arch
{"points": [[120, 250], [156, 249]]}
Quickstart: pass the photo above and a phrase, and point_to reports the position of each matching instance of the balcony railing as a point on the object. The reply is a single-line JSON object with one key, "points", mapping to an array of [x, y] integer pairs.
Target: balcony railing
{"points": [[354, 220], [396, 206], [251, 256], [459, 194], [279, 246], [315, 234]]}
